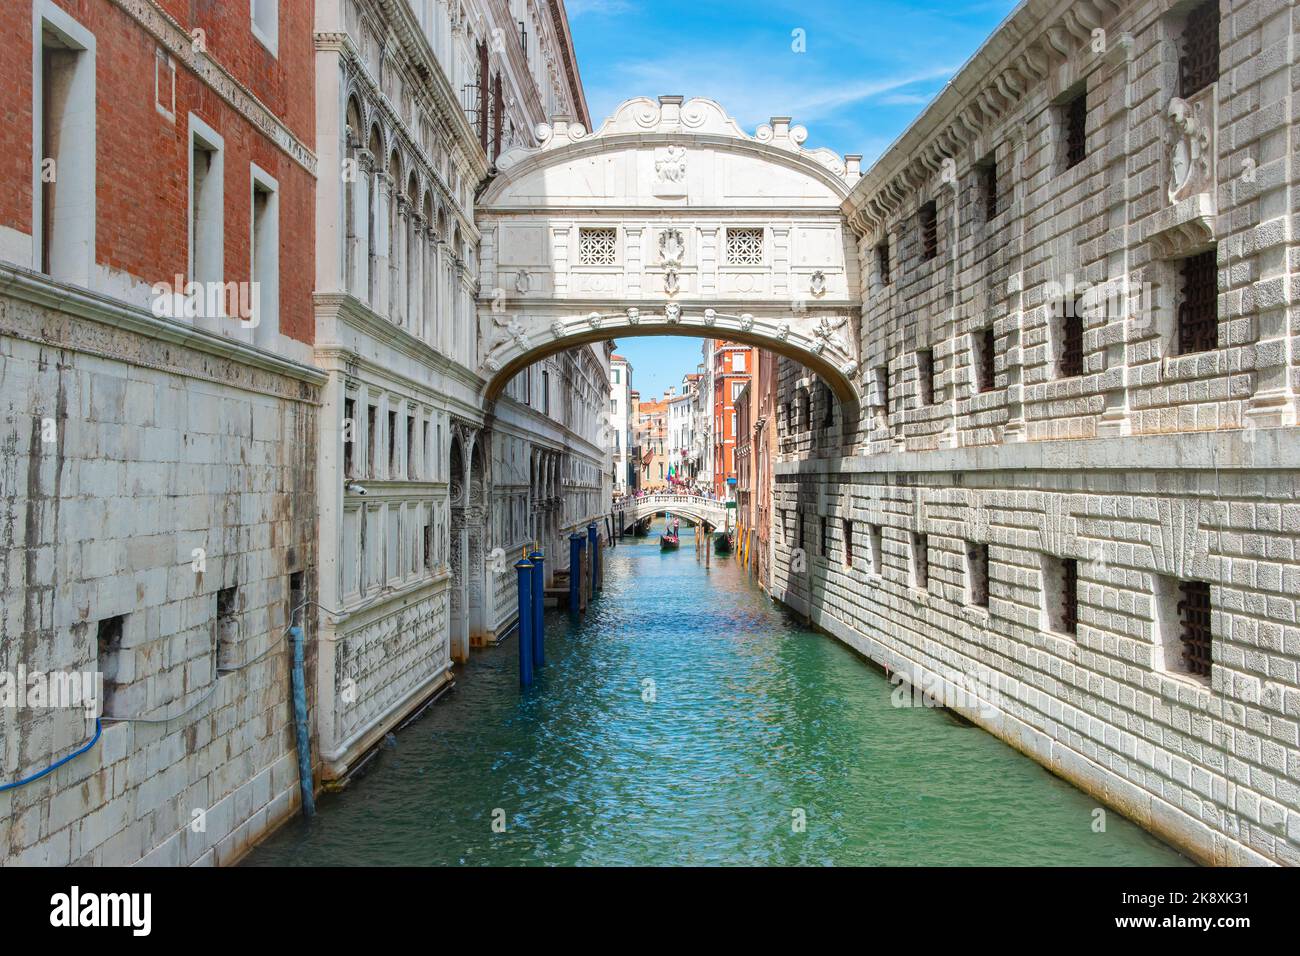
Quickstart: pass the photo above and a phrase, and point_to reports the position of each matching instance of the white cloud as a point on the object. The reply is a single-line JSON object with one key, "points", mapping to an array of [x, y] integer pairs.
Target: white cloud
{"points": [[754, 99]]}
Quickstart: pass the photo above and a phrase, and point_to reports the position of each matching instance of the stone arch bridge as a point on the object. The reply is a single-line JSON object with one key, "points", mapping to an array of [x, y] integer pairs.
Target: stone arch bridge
{"points": [[670, 220], [695, 508]]}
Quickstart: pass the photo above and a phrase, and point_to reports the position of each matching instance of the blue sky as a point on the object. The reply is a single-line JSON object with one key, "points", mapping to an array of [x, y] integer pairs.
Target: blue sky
{"points": [[868, 69]]}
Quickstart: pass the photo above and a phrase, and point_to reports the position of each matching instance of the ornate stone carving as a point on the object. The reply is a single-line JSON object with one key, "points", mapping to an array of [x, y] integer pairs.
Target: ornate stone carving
{"points": [[672, 246], [672, 281], [673, 313], [710, 316], [783, 331], [1190, 145], [818, 283], [824, 335], [522, 281], [670, 165], [594, 320], [746, 322], [634, 316], [557, 329]]}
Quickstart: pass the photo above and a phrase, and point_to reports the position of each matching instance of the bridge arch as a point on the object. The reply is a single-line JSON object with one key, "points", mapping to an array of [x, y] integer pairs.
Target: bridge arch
{"points": [[670, 220]]}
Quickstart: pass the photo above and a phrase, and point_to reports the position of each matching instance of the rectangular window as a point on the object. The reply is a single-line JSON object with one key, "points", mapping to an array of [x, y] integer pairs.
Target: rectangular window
{"points": [[266, 23], [1198, 61], [1070, 326], [925, 375], [392, 444], [265, 271], [1184, 619], [882, 389], [977, 574], [108, 643], [920, 561], [426, 471], [738, 361], [988, 176], [1198, 306], [412, 472], [426, 559], [876, 542], [882, 262], [372, 440], [847, 528], [929, 224], [1061, 594], [63, 151], [546, 392], [349, 436], [825, 537], [800, 530], [744, 246], [985, 359], [226, 635], [207, 214], [1074, 119], [597, 246]]}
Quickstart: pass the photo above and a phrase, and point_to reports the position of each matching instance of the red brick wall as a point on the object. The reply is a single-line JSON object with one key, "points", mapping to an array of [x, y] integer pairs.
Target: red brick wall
{"points": [[143, 159]]}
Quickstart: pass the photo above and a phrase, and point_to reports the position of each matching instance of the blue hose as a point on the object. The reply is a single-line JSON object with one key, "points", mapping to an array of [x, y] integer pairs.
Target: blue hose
{"points": [[300, 724], [55, 766]]}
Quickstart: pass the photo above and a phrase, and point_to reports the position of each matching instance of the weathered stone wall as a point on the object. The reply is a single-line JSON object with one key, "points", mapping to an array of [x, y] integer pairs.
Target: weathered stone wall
{"points": [[139, 478], [1182, 467], [1212, 766]]}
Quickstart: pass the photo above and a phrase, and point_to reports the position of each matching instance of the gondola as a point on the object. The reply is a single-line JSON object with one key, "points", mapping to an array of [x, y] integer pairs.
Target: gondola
{"points": [[722, 542], [669, 540]]}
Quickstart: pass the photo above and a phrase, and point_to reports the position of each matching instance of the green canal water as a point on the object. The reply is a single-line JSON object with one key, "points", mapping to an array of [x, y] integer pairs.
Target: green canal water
{"points": [[689, 720]]}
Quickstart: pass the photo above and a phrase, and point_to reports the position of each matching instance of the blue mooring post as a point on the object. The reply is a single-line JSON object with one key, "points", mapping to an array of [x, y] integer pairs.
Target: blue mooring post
{"points": [[302, 729], [592, 536], [575, 571], [525, 569], [539, 607]]}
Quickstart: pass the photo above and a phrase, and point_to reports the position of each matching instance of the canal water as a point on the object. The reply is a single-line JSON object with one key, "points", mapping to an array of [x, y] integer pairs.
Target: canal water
{"points": [[689, 720]]}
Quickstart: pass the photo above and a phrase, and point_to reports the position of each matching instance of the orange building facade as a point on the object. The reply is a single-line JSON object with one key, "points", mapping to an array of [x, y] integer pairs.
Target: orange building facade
{"points": [[732, 367]]}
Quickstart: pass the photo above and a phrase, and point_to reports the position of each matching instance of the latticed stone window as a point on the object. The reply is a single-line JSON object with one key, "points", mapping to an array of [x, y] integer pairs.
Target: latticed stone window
{"points": [[745, 246], [929, 222], [1076, 129], [597, 246], [1198, 308], [1194, 614], [1198, 61]]}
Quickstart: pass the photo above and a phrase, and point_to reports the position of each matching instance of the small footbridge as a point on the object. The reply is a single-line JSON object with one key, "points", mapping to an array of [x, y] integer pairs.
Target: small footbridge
{"points": [[696, 509]]}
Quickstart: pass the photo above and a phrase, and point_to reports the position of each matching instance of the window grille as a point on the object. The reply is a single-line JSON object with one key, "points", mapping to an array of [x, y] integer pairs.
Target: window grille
{"points": [[986, 341], [1198, 312], [1076, 121], [1071, 363], [597, 246], [1198, 63], [929, 217], [1194, 615], [882, 255], [745, 247]]}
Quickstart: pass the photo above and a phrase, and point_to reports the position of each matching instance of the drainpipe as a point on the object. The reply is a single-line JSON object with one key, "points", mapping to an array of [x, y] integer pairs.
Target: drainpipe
{"points": [[305, 780]]}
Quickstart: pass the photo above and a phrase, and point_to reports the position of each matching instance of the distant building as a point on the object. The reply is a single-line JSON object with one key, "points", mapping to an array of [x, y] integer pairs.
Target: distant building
{"points": [[620, 424], [732, 363]]}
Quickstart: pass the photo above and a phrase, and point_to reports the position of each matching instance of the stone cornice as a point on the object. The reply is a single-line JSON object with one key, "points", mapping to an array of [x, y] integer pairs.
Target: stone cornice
{"points": [[1020, 54], [177, 41], [262, 371], [401, 18], [560, 20], [351, 310]]}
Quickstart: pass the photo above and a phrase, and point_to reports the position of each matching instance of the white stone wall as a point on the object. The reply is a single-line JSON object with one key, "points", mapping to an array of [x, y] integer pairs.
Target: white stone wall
{"points": [[1181, 467], [172, 472]]}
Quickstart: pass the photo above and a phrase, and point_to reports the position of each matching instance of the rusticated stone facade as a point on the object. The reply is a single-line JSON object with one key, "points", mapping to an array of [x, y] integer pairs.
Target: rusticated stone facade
{"points": [[1078, 462]]}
